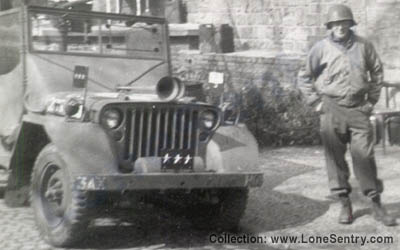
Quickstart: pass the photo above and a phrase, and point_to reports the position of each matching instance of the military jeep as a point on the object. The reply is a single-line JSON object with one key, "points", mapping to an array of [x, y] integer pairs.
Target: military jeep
{"points": [[92, 118]]}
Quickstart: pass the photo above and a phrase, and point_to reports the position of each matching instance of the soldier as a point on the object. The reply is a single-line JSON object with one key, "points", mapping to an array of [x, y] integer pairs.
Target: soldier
{"points": [[342, 80]]}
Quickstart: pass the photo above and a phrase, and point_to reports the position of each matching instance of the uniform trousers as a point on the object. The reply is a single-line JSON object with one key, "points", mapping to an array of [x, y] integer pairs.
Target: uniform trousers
{"points": [[340, 127]]}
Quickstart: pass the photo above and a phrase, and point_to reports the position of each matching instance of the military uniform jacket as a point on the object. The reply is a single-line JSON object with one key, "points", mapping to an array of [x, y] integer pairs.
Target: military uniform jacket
{"points": [[349, 73]]}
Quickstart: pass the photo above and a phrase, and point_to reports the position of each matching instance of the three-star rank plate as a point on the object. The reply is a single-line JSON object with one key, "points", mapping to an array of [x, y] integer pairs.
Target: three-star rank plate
{"points": [[177, 159]]}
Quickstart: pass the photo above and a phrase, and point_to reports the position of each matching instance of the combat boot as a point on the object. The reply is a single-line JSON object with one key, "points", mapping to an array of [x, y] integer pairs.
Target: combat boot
{"points": [[380, 213], [346, 212]]}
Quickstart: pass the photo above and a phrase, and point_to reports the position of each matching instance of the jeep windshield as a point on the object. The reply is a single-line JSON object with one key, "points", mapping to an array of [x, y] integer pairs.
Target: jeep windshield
{"points": [[93, 33]]}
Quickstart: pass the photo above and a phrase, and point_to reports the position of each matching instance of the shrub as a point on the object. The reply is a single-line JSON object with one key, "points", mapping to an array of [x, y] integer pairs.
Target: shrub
{"points": [[278, 116]]}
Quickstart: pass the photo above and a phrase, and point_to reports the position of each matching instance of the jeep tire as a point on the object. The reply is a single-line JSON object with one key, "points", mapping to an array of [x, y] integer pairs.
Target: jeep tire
{"points": [[59, 210]]}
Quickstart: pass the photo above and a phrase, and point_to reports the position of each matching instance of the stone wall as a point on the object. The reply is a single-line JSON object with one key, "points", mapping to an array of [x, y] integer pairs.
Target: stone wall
{"points": [[280, 25], [240, 68], [292, 26]]}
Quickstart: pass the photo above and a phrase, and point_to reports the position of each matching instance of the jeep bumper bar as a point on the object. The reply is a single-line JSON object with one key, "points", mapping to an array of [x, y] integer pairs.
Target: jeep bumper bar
{"points": [[154, 181]]}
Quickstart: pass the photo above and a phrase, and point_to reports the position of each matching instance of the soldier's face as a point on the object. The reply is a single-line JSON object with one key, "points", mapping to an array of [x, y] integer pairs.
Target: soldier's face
{"points": [[341, 29]]}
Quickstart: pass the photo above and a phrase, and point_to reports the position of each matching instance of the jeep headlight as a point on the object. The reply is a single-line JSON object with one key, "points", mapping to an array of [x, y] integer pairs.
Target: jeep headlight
{"points": [[73, 107], [112, 118], [209, 119]]}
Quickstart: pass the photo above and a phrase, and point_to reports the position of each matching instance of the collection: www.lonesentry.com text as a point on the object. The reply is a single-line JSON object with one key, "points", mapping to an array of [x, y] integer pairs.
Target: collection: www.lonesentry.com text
{"points": [[332, 238]]}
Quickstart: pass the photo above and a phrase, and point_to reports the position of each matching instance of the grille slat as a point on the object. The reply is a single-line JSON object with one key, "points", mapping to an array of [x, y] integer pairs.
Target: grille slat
{"points": [[166, 119], [149, 129], [140, 134], [196, 135], [182, 129], [173, 129], [132, 137], [131, 134], [157, 132], [190, 129]]}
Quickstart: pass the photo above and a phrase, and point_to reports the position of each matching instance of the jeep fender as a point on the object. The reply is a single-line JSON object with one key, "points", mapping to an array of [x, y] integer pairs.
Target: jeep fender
{"points": [[84, 146], [232, 149]]}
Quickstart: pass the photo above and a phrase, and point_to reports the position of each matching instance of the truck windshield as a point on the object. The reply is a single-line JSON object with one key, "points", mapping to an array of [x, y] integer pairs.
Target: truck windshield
{"points": [[98, 34]]}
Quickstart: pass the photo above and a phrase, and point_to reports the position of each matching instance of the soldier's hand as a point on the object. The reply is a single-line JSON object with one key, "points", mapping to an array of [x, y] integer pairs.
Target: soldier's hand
{"points": [[367, 108]]}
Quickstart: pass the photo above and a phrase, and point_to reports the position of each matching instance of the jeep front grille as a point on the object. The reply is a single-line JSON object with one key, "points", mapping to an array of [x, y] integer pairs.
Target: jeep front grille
{"points": [[151, 129]]}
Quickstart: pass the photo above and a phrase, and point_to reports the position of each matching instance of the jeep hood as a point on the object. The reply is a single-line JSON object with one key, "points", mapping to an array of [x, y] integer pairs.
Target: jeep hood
{"points": [[54, 103]]}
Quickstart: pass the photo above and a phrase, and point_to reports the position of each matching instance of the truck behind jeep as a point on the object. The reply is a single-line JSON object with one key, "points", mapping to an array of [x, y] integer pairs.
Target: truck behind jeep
{"points": [[92, 118]]}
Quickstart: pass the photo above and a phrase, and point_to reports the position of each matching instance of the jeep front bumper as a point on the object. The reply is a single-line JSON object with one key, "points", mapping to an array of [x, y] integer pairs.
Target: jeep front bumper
{"points": [[162, 181]]}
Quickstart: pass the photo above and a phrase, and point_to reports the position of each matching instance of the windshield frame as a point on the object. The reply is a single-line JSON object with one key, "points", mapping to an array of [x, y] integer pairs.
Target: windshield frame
{"points": [[31, 10]]}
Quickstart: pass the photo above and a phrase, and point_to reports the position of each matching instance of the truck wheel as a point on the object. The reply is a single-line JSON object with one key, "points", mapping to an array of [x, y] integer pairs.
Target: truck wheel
{"points": [[59, 209], [225, 215]]}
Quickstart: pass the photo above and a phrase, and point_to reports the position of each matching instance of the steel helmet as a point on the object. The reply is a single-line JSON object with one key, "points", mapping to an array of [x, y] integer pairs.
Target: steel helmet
{"points": [[339, 12]]}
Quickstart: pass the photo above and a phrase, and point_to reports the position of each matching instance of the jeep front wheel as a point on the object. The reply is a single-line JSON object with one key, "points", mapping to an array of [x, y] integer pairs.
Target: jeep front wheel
{"points": [[59, 209]]}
